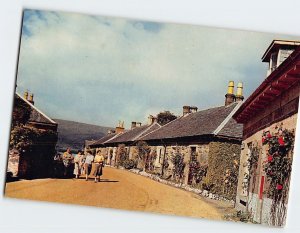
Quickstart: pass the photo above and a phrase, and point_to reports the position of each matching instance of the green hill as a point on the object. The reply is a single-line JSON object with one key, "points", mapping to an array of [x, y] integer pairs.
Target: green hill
{"points": [[73, 134]]}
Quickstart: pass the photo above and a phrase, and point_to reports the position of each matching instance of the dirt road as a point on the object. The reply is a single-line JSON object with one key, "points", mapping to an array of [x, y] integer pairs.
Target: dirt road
{"points": [[119, 189]]}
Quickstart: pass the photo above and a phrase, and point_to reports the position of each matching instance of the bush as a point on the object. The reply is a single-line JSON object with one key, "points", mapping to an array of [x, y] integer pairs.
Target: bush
{"points": [[129, 164]]}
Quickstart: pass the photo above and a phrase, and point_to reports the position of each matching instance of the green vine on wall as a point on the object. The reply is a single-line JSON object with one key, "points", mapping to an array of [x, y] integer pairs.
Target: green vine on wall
{"points": [[196, 170], [252, 164], [179, 165]]}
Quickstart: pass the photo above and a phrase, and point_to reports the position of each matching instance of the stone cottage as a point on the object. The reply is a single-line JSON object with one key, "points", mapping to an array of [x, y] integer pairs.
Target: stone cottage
{"points": [[210, 138], [31, 156], [110, 143], [269, 116]]}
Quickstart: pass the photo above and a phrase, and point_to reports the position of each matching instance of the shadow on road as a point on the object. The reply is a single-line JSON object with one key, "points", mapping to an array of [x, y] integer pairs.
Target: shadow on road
{"points": [[107, 180]]}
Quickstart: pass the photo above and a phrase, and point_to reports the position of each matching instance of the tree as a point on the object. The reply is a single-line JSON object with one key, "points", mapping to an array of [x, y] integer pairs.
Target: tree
{"points": [[165, 117]]}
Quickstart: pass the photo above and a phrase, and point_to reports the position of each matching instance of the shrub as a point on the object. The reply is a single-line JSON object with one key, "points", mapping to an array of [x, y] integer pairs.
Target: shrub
{"points": [[129, 164]]}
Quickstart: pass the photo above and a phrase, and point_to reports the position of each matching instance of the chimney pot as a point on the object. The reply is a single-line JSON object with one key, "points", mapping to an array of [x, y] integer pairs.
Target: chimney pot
{"points": [[239, 93], [31, 98], [193, 109], [133, 124], [230, 97], [26, 95], [186, 110], [151, 119]]}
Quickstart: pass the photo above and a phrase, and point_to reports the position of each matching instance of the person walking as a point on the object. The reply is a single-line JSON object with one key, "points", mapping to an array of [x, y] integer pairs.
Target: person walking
{"points": [[67, 161], [98, 162], [78, 164], [88, 164]]}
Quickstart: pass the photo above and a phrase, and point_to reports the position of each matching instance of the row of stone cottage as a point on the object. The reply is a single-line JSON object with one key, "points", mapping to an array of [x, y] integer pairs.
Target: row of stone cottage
{"points": [[234, 141], [210, 138]]}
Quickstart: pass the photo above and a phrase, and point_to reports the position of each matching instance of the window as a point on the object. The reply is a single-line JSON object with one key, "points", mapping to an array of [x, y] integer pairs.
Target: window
{"points": [[273, 61]]}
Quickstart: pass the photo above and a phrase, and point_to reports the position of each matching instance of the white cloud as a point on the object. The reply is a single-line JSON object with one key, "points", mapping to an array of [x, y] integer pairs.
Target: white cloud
{"points": [[101, 70]]}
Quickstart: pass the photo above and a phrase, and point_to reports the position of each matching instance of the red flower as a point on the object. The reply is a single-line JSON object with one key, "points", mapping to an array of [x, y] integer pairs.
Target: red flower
{"points": [[279, 187], [269, 135], [263, 140], [270, 158], [281, 141]]}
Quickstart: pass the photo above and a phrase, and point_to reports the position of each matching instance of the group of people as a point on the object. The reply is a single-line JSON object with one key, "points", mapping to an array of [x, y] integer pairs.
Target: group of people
{"points": [[83, 164]]}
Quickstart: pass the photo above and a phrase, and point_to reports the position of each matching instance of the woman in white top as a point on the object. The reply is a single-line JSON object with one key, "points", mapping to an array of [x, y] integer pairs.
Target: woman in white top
{"points": [[88, 164], [78, 164]]}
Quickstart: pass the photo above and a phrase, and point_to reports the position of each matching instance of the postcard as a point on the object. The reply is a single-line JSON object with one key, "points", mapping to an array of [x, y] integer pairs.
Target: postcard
{"points": [[156, 117]]}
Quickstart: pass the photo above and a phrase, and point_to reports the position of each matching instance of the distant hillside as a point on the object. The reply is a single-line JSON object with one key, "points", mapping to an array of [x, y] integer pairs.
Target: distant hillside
{"points": [[73, 134]]}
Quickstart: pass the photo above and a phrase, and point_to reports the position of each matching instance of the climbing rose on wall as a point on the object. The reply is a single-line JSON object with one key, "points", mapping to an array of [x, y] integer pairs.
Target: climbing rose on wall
{"points": [[278, 168]]}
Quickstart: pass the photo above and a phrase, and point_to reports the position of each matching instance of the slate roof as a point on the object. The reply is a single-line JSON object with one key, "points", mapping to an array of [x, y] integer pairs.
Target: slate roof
{"points": [[232, 129], [213, 121], [134, 134], [103, 139], [88, 142], [36, 114]]}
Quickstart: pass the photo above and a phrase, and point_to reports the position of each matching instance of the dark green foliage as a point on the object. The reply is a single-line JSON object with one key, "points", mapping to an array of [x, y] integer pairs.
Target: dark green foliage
{"points": [[129, 164], [121, 155], [21, 112], [252, 167], [143, 150], [23, 137], [222, 172], [196, 171], [165, 117], [179, 165]]}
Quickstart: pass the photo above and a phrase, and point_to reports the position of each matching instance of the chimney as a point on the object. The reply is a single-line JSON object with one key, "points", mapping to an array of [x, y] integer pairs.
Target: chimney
{"points": [[133, 124], [138, 124], [31, 99], [26, 95], [151, 119], [186, 110], [120, 127], [193, 109], [230, 97], [239, 93], [110, 131]]}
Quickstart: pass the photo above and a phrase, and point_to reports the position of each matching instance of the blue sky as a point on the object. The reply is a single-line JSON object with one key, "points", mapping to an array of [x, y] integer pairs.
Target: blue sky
{"points": [[101, 70]]}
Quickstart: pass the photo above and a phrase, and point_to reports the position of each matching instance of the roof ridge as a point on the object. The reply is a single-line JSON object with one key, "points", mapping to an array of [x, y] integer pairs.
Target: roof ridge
{"points": [[115, 136], [146, 130], [226, 120], [162, 126], [35, 108]]}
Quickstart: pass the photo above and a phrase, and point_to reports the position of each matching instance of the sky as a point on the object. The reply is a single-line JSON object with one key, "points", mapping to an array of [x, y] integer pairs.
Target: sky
{"points": [[100, 70]]}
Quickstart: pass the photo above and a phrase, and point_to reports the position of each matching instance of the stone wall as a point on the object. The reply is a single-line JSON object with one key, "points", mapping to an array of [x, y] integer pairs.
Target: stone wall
{"points": [[221, 161], [13, 162]]}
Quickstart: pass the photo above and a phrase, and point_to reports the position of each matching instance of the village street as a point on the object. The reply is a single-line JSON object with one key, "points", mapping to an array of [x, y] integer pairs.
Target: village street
{"points": [[120, 189]]}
